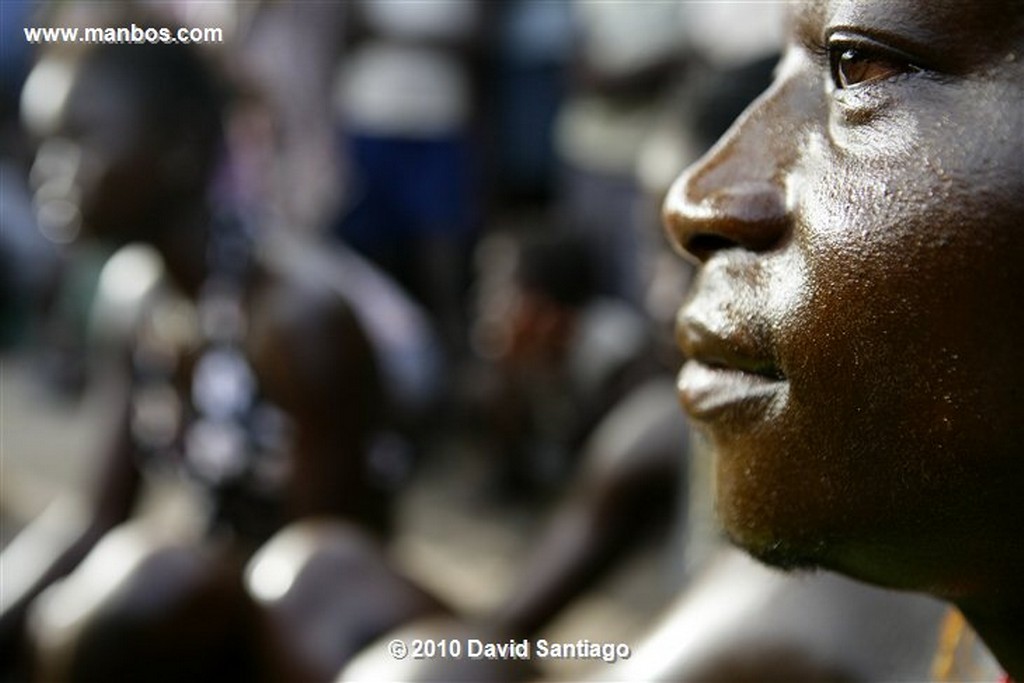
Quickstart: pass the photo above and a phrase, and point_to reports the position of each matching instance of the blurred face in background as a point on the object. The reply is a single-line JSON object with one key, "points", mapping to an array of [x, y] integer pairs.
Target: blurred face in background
{"points": [[516, 324], [97, 167], [129, 136], [854, 332]]}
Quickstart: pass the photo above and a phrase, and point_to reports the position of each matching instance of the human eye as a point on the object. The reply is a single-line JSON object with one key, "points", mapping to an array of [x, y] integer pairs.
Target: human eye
{"points": [[856, 61]]}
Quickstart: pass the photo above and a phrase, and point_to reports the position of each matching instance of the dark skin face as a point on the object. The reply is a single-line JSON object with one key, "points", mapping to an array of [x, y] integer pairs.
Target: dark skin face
{"points": [[104, 154], [855, 327]]}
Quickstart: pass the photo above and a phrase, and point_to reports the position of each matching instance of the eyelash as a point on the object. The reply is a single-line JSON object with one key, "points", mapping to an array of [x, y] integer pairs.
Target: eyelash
{"points": [[830, 56]]}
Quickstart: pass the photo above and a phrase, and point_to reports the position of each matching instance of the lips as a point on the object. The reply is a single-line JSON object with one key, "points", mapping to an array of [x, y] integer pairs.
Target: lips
{"points": [[726, 376]]}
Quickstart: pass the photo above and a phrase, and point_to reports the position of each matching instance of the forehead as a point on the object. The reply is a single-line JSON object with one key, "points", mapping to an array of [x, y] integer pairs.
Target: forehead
{"points": [[956, 24]]}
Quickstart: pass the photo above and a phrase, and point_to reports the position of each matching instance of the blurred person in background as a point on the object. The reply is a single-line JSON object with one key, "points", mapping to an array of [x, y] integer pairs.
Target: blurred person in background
{"points": [[249, 388], [583, 409], [559, 355], [285, 168], [28, 263], [407, 98], [627, 59], [527, 81], [627, 494], [290, 51], [598, 428]]}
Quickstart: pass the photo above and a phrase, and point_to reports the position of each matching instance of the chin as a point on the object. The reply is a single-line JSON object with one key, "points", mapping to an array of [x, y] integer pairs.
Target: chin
{"points": [[774, 537], [779, 554]]}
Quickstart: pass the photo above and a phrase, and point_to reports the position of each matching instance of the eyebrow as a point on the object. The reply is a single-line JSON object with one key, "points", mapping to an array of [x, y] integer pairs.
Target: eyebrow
{"points": [[808, 22]]}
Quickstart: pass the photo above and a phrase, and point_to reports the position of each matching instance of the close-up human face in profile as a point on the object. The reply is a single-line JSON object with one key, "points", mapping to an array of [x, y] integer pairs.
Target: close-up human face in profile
{"points": [[854, 332]]}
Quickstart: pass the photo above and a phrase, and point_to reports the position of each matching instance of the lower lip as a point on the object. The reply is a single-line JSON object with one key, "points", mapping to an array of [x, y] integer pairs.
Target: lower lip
{"points": [[710, 393]]}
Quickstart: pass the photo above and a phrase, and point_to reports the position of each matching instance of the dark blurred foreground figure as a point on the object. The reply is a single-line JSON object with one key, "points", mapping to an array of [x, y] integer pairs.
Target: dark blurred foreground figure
{"points": [[248, 380], [853, 332]]}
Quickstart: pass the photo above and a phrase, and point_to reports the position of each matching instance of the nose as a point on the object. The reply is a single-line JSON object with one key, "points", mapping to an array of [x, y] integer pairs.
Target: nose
{"points": [[735, 196]]}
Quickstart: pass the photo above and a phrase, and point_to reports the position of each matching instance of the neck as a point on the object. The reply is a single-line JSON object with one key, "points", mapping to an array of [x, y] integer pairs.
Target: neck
{"points": [[1002, 629]]}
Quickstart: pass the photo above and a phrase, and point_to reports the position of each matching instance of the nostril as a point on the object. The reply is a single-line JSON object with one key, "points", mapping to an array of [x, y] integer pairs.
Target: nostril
{"points": [[749, 206], [704, 244], [746, 215]]}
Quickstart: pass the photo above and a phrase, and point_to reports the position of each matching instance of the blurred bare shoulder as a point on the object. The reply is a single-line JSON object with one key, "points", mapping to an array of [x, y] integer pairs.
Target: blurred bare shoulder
{"points": [[305, 338]]}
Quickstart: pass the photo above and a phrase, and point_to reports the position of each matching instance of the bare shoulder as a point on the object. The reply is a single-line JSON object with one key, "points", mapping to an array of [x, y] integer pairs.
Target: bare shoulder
{"points": [[304, 337], [741, 621], [297, 285]]}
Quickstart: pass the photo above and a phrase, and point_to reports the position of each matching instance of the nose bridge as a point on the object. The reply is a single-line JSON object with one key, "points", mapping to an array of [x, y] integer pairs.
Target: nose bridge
{"points": [[735, 195], [749, 154]]}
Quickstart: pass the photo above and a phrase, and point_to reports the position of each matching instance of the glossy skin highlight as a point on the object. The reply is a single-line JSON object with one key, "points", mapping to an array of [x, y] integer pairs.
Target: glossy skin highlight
{"points": [[855, 327]]}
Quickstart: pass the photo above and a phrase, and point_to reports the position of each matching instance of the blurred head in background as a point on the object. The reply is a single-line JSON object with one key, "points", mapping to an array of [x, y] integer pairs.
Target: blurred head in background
{"points": [[129, 136], [532, 292]]}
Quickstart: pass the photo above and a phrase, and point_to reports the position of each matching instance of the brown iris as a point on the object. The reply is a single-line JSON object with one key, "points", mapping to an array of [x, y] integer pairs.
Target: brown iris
{"points": [[852, 66]]}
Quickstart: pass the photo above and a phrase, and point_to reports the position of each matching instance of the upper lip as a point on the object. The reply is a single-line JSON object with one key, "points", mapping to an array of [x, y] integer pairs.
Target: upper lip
{"points": [[740, 351]]}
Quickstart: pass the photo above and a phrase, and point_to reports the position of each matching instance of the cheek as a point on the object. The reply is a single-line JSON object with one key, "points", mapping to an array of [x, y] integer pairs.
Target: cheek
{"points": [[902, 351], [896, 318]]}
